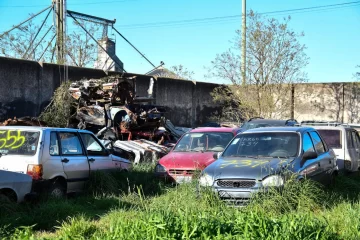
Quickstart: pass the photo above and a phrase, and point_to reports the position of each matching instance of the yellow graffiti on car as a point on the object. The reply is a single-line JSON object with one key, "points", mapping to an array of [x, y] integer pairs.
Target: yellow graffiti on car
{"points": [[11, 139], [246, 163]]}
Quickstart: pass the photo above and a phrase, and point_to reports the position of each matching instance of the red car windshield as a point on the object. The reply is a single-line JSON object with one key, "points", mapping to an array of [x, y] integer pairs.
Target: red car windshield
{"points": [[206, 141]]}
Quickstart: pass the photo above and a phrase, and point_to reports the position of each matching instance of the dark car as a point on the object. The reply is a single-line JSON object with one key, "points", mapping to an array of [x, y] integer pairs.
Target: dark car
{"points": [[258, 122], [267, 157]]}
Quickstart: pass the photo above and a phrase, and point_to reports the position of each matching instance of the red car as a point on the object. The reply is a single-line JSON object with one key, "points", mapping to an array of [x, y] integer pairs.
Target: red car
{"points": [[193, 152]]}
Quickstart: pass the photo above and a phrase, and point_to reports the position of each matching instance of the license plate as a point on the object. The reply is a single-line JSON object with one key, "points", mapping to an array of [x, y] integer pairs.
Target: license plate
{"points": [[183, 179]]}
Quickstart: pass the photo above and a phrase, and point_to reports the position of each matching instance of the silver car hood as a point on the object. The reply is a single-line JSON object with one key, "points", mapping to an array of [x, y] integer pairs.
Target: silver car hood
{"points": [[248, 168]]}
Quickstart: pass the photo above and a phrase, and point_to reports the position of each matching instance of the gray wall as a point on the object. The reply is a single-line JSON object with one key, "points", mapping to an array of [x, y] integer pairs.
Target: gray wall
{"points": [[26, 87]]}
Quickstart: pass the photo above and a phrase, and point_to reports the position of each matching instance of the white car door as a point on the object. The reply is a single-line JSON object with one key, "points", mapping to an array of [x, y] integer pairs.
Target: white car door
{"points": [[75, 162], [356, 150], [99, 158]]}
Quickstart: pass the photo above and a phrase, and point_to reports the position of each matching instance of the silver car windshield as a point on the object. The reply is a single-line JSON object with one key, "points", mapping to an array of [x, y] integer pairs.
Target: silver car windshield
{"points": [[205, 141], [18, 142], [265, 144]]}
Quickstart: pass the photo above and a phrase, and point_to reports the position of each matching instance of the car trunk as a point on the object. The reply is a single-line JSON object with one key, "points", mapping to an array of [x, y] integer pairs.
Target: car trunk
{"points": [[19, 148]]}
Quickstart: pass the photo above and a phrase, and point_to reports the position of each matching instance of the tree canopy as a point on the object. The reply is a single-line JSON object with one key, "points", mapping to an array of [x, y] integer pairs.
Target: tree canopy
{"points": [[275, 60]]}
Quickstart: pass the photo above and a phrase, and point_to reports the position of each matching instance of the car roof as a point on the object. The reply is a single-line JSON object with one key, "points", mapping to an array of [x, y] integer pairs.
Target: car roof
{"points": [[213, 129], [331, 127], [279, 129], [43, 128], [267, 121]]}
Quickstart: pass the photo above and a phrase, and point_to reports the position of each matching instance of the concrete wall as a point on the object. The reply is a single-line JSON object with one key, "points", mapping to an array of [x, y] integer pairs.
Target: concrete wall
{"points": [[190, 102], [26, 87], [328, 101]]}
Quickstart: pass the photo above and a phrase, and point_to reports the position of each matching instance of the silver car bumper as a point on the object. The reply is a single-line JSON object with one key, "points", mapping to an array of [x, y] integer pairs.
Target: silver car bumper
{"points": [[235, 196]]}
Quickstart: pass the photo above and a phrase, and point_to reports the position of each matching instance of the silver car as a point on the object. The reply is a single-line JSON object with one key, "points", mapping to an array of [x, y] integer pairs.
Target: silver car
{"points": [[14, 186], [267, 157], [59, 160]]}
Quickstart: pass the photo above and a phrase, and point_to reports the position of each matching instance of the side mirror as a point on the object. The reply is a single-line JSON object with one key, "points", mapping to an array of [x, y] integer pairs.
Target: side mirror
{"points": [[109, 151], [309, 155], [217, 155]]}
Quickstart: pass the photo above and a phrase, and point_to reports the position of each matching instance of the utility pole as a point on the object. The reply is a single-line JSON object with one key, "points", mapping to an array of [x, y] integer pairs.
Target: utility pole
{"points": [[243, 43], [60, 29]]}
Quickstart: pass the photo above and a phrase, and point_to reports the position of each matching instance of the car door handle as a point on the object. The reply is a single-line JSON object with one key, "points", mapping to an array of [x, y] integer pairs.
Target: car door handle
{"points": [[91, 160], [65, 160]]}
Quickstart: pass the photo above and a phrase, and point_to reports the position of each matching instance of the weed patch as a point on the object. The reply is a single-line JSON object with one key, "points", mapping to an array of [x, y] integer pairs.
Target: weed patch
{"points": [[138, 206]]}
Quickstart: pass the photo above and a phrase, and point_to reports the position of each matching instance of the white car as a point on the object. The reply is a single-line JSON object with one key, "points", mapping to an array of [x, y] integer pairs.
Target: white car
{"points": [[345, 142], [58, 159], [14, 186]]}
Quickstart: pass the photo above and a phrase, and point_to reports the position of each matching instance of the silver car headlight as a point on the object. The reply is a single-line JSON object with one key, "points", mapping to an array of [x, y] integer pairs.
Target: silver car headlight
{"points": [[273, 181], [160, 168], [206, 180]]}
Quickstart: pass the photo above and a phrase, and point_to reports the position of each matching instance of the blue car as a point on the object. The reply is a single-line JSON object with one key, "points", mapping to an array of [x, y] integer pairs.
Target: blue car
{"points": [[266, 157]]}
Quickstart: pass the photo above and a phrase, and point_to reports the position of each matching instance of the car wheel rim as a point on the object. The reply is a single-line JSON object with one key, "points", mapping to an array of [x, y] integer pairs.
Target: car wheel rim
{"points": [[4, 198], [57, 193]]}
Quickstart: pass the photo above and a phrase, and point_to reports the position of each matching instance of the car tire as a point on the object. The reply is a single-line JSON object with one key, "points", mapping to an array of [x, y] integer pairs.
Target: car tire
{"points": [[57, 190], [333, 179], [7, 197]]}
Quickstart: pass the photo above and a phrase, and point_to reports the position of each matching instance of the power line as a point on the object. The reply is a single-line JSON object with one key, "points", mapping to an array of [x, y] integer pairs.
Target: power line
{"points": [[210, 21], [235, 17], [207, 21], [69, 4]]}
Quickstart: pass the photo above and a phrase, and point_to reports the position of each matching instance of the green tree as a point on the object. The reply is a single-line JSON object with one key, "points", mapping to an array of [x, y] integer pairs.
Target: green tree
{"points": [[80, 48], [182, 72], [275, 60]]}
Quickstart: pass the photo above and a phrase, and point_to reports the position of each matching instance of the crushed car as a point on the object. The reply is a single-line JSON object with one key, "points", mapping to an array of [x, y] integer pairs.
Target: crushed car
{"points": [[113, 112]]}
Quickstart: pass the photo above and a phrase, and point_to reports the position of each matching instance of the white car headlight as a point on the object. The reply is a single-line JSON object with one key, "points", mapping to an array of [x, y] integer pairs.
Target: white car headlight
{"points": [[273, 181], [160, 168], [206, 180]]}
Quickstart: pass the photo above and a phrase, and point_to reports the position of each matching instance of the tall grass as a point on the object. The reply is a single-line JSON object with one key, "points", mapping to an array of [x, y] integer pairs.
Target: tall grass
{"points": [[137, 206]]}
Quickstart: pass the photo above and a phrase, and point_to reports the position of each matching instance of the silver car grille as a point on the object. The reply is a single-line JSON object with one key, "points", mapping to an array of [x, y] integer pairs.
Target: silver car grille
{"points": [[181, 171], [237, 183]]}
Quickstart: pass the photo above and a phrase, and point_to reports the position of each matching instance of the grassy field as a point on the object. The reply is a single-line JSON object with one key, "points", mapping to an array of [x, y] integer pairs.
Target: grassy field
{"points": [[137, 206]]}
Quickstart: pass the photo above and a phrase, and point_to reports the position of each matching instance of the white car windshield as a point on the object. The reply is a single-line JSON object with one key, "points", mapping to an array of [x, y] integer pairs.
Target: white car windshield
{"points": [[205, 141], [18, 142], [265, 144]]}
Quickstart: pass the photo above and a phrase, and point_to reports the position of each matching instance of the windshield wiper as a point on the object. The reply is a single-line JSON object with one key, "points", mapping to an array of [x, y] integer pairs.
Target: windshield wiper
{"points": [[244, 156], [192, 150]]}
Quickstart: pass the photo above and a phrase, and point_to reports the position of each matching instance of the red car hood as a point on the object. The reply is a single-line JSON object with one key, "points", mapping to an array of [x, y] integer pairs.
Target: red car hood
{"points": [[187, 160]]}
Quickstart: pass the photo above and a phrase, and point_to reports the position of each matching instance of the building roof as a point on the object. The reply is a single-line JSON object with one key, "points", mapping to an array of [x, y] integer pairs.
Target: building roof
{"points": [[163, 72]]}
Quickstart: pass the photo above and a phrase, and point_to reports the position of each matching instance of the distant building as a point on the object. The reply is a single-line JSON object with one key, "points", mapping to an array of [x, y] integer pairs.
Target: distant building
{"points": [[104, 61], [163, 72]]}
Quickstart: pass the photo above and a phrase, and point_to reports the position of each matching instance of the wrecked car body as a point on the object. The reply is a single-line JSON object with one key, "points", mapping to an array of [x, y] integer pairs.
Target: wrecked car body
{"points": [[129, 124]]}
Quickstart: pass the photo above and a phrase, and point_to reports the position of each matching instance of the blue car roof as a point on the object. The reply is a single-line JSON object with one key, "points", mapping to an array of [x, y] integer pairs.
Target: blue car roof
{"points": [[280, 129]]}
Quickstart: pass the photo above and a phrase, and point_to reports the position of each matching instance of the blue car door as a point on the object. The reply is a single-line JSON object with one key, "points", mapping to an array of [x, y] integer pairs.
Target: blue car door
{"points": [[325, 160], [312, 168]]}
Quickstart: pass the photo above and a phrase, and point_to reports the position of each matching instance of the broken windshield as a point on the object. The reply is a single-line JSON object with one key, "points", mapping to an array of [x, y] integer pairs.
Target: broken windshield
{"points": [[18, 142], [207, 141]]}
